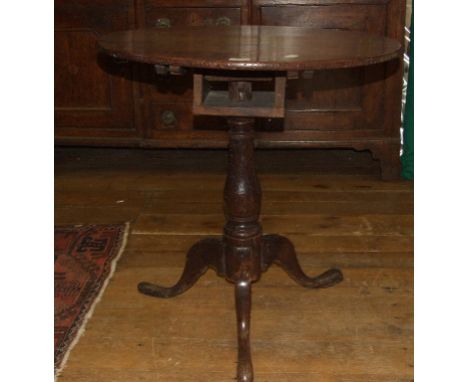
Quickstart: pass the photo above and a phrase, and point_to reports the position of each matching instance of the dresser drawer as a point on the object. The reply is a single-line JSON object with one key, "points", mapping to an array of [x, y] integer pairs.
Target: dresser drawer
{"points": [[159, 16], [369, 17]]}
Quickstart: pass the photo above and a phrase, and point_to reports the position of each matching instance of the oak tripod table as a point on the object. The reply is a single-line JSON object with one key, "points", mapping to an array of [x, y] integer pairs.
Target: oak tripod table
{"points": [[241, 73]]}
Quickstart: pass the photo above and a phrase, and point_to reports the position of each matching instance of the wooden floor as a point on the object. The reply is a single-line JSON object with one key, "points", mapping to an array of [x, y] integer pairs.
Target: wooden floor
{"points": [[330, 203]]}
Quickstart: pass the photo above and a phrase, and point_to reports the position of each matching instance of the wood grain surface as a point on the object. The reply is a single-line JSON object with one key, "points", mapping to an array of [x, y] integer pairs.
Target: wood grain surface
{"points": [[251, 47], [332, 206]]}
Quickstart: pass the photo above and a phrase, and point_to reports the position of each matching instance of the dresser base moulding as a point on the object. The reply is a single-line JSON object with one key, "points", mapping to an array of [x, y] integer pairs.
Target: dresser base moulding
{"points": [[386, 151]]}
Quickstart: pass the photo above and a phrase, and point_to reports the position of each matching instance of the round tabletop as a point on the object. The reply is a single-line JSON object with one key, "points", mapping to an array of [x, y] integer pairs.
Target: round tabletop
{"points": [[266, 48]]}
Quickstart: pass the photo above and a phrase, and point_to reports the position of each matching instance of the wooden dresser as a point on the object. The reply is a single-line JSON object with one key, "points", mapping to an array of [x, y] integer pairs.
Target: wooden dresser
{"points": [[106, 102]]}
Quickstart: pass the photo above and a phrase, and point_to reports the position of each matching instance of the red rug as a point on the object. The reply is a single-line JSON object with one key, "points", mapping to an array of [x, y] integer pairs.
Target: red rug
{"points": [[85, 258]]}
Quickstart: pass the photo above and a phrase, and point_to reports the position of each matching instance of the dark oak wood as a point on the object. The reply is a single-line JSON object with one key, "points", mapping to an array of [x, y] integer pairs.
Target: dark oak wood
{"points": [[252, 48], [243, 296], [207, 253], [94, 95], [243, 252], [354, 108]]}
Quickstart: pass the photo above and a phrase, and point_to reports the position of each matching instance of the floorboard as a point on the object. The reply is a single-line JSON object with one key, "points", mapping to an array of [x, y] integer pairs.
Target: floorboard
{"points": [[331, 204]]}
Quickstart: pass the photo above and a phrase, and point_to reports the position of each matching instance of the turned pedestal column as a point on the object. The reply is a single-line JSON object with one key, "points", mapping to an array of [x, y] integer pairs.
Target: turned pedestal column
{"points": [[243, 253]]}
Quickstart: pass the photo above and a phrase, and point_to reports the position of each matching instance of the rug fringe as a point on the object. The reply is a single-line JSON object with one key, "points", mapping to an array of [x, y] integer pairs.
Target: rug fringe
{"points": [[95, 302]]}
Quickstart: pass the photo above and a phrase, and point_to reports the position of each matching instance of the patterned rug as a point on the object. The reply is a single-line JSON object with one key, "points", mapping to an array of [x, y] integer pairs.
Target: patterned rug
{"points": [[85, 259]]}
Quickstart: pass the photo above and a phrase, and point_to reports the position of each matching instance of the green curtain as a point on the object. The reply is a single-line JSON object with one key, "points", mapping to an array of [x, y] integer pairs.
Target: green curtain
{"points": [[407, 158]]}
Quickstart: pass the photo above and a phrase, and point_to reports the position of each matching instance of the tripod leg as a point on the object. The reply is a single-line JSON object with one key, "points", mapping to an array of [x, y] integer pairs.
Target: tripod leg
{"points": [[243, 304], [279, 250], [205, 254]]}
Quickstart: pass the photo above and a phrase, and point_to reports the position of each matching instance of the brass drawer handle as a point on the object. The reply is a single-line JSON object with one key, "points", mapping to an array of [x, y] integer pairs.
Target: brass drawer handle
{"points": [[223, 21], [168, 117], [163, 23]]}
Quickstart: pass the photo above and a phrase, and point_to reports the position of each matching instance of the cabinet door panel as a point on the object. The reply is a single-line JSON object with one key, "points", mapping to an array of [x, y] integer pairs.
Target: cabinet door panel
{"points": [[345, 99], [80, 84], [93, 92]]}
